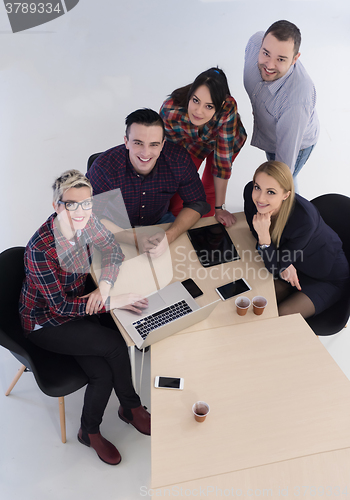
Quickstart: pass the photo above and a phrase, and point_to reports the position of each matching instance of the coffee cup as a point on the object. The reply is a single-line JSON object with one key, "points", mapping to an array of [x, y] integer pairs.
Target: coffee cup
{"points": [[200, 410], [242, 305], [259, 304]]}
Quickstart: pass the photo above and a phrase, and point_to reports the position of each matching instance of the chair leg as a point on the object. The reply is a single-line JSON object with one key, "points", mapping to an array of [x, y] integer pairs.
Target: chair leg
{"points": [[62, 418], [60, 402], [15, 380]]}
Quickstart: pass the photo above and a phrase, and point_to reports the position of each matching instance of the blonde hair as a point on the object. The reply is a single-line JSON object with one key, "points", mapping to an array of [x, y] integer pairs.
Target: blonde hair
{"points": [[281, 173], [69, 179]]}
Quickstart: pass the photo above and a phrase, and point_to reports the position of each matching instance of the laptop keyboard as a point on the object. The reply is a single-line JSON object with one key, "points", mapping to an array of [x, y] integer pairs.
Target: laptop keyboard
{"points": [[145, 325]]}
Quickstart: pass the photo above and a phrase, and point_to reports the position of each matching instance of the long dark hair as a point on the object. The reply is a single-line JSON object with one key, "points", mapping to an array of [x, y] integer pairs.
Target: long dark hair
{"points": [[216, 81]]}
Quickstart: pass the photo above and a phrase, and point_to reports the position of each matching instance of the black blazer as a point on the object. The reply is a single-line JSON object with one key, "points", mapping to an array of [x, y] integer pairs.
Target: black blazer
{"points": [[306, 242]]}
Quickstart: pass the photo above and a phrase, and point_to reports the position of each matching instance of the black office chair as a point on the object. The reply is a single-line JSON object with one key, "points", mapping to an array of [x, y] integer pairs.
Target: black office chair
{"points": [[57, 375], [92, 159], [335, 211]]}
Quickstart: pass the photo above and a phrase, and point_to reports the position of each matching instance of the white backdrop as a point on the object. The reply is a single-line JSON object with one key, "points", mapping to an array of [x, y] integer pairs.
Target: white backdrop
{"points": [[66, 87]]}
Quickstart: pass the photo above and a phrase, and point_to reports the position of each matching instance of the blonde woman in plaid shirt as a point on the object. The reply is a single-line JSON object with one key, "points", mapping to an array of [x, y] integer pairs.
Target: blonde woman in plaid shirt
{"points": [[60, 312], [203, 118]]}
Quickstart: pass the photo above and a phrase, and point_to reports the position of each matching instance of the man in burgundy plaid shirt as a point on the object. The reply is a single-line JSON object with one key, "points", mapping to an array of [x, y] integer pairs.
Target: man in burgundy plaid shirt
{"points": [[148, 171]]}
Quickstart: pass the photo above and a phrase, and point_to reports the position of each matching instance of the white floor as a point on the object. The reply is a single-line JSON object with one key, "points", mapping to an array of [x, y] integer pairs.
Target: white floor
{"points": [[135, 64], [35, 465], [68, 85]]}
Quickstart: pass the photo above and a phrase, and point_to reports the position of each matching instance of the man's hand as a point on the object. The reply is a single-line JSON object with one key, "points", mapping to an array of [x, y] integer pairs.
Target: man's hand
{"points": [[225, 217], [290, 275], [160, 245], [154, 245]]}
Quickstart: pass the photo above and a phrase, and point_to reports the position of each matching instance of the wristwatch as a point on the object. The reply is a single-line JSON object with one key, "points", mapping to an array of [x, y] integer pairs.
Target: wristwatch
{"points": [[221, 207], [263, 247]]}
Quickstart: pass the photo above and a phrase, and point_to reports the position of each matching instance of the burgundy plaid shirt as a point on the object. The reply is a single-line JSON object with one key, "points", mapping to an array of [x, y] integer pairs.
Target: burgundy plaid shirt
{"points": [[147, 198], [56, 272], [224, 134]]}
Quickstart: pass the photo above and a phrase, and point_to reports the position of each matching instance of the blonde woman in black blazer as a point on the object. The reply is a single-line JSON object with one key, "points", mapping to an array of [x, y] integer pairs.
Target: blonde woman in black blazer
{"points": [[298, 248]]}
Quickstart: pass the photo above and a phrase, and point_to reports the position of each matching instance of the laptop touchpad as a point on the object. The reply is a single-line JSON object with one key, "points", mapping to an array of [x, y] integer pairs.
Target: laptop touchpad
{"points": [[155, 302]]}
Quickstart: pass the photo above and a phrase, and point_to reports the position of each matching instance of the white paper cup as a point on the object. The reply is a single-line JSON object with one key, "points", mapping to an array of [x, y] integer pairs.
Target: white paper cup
{"points": [[200, 410], [259, 304], [242, 305]]}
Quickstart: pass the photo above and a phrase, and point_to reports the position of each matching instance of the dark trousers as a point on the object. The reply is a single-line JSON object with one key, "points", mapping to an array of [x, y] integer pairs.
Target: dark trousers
{"points": [[103, 355]]}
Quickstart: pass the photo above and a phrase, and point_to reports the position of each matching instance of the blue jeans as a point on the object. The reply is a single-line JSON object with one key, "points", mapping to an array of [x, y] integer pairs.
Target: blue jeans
{"points": [[167, 217], [302, 158]]}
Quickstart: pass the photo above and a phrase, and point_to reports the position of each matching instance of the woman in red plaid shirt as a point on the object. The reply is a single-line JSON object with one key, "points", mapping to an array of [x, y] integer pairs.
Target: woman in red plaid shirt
{"points": [[60, 314], [203, 118]]}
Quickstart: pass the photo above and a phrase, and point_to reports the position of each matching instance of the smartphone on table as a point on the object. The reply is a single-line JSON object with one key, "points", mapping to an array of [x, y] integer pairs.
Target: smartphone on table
{"points": [[169, 383], [233, 288], [192, 288]]}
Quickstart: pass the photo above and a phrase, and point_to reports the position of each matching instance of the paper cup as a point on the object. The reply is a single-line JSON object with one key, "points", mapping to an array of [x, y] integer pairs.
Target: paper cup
{"points": [[200, 410], [259, 304], [242, 305]]}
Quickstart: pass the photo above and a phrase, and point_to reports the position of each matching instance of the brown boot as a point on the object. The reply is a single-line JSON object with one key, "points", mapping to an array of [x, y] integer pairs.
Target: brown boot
{"points": [[138, 417], [106, 451]]}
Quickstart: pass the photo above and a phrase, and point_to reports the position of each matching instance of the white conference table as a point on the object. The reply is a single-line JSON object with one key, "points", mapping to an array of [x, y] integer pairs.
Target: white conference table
{"points": [[139, 274], [279, 404], [320, 476]]}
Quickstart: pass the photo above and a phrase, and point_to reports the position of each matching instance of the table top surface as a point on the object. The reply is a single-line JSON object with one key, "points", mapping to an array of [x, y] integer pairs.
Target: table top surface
{"points": [[324, 475], [275, 394], [250, 266], [139, 274]]}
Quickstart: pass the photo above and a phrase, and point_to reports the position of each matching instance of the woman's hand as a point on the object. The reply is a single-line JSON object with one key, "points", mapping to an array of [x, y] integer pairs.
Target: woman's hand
{"points": [[261, 224], [290, 275], [225, 217], [97, 298], [132, 301]]}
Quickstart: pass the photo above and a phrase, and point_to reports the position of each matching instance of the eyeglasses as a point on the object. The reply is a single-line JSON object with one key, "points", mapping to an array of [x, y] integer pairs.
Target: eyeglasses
{"points": [[71, 206]]}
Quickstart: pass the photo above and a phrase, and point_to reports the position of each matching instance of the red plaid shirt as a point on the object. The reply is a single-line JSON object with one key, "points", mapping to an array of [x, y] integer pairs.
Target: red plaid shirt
{"points": [[56, 272], [224, 134]]}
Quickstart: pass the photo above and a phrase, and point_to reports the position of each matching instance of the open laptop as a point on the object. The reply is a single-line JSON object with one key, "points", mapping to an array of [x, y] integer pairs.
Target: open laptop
{"points": [[169, 310]]}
